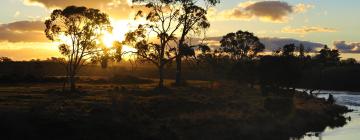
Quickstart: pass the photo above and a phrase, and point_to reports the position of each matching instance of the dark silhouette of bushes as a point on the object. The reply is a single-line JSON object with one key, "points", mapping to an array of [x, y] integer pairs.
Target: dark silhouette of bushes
{"points": [[279, 105]]}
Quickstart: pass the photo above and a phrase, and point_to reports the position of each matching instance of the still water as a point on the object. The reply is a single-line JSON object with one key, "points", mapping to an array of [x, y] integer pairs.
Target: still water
{"points": [[351, 131]]}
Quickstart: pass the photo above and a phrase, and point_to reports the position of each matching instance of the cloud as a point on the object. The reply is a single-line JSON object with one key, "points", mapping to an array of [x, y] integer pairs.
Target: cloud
{"points": [[306, 29], [119, 9], [302, 8], [17, 13], [23, 31], [342, 46], [268, 11], [271, 43]]}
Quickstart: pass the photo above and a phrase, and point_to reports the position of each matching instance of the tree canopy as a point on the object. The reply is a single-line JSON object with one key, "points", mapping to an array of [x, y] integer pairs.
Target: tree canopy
{"points": [[78, 29], [241, 44]]}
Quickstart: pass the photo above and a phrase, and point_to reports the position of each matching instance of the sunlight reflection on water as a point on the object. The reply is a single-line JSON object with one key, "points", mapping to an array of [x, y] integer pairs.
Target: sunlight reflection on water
{"points": [[351, 131]]}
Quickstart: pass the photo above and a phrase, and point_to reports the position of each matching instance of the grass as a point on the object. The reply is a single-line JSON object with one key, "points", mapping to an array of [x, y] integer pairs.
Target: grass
{"points": [[204, 110]]}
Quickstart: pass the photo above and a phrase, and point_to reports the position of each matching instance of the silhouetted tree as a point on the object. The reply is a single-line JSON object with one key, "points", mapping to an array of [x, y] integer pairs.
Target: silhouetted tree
{"points": [[5, 59], [214, 62], [279, 72], [289, 50], [349, 61], [328, 56], [161, 17], [192, 18], [56, 60], [241, 44], [302, 51], [81, 27]]}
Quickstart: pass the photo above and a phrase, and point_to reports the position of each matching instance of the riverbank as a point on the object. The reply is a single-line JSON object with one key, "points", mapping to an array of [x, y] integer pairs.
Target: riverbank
{"points": [[351, 129], [203, 110]]}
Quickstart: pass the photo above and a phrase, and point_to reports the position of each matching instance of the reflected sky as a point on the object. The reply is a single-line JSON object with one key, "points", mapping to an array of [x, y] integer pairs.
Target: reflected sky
{"points": [[350, 131]]}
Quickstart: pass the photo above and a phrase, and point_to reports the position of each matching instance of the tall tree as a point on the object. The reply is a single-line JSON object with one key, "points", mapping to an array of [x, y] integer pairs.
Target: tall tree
{"points": [[161, 17], [241, 44], [82, 28], [193, 18]]}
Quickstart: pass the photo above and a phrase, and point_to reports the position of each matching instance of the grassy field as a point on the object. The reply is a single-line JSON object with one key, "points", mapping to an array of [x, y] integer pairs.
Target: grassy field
{"points": [[204, 110]]}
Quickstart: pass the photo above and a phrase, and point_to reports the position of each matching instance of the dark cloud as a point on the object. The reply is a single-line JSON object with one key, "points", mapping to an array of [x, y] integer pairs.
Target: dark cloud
{"points": [[272, 44], [118, 9], [275, 43], [273, 11], [64, 3], [23, 31], [344, 47]]}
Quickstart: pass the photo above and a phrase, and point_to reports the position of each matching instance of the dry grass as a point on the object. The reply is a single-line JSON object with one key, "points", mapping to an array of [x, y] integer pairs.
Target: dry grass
{"points": [[214, 110]]}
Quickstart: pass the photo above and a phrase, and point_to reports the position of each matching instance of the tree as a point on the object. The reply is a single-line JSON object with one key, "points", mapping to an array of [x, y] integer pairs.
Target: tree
{"points": [[328, 56], [241, 44], [82, 28], [161, 22], [349, 61], [193, 18], [5, 59], [302, 52], [288, 50]]}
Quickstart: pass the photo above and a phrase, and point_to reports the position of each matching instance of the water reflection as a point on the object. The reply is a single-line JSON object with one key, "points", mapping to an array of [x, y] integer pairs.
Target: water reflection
{"points": [[351, 131]]}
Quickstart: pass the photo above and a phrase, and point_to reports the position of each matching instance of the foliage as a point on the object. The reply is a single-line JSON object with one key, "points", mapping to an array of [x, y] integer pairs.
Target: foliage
{"points": [[79, 29], [241, 44], [328, 56], [161, 21]]}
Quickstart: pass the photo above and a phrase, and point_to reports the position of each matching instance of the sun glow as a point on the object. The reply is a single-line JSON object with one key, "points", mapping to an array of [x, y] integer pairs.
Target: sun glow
{"points": [[120, 28]]}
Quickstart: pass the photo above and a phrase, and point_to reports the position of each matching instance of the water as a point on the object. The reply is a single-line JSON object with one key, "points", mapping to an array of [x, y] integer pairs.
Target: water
{"points": [[351, 131]]}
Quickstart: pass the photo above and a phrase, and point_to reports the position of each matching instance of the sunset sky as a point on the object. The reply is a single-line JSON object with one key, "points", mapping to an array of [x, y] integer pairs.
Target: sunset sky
{"points": [[332, 22]]}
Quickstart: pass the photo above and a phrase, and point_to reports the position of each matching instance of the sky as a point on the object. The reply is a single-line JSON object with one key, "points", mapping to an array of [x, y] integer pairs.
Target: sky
{"points": [[311, 22]]}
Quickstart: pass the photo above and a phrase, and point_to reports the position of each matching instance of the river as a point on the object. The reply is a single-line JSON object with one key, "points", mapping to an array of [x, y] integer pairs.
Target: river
{"points": [[351, 131]]}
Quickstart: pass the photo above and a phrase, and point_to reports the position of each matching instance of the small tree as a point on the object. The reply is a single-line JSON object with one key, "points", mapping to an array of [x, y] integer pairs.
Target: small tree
{"points": [[5, 59], [82, 28], [161, 22], [241, 44], [289, 50], [328, 56]]}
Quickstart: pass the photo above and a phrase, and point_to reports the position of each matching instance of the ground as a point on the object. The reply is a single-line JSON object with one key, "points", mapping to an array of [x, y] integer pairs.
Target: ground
{"points": [[201, 110]]}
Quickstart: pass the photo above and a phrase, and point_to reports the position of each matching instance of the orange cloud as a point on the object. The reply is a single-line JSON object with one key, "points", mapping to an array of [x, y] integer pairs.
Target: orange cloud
{"points": [[305, 30], [23, 31], [119, 9], [268, 11], [28, 50]]}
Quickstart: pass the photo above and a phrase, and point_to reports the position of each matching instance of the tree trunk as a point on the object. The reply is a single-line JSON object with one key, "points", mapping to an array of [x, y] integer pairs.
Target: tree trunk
{"points": [[161, 77], [72, 83], [178, 80]]}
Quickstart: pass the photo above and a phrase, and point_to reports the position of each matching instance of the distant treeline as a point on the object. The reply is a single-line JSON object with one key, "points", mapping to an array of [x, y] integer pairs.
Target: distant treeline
{"points": [[287, 67]]}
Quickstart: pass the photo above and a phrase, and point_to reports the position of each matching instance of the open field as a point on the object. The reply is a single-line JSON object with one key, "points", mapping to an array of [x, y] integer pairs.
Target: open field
{"points": [[205, 110]]}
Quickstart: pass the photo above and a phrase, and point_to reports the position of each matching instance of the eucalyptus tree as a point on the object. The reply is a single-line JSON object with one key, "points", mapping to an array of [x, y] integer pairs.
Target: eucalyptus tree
{"points": [[193, 19], [154, 40], [241, 44], [78, 29]]}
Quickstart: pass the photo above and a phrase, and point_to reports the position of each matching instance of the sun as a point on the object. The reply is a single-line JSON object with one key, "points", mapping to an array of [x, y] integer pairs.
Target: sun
{"points": [[120, 28]]}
